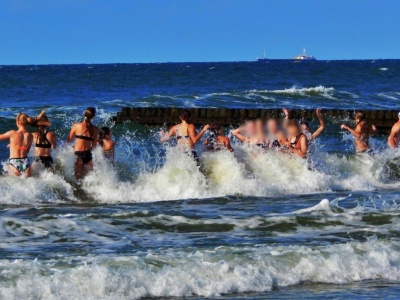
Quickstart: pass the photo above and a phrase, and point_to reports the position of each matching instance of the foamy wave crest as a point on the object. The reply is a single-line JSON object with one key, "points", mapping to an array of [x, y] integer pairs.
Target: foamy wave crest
{"points": [[250, 171], [326, 92], [208, 273]]}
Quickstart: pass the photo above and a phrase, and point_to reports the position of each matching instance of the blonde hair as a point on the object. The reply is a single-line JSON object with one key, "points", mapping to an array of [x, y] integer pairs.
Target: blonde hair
{"points": [[89, 113], [23, 119]]}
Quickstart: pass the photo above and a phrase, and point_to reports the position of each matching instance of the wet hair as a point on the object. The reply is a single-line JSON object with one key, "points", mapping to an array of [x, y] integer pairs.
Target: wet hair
{"points": [[104, 131], [185, 115], [89, 113], [23, 119], [360, 115], [305, 123]]}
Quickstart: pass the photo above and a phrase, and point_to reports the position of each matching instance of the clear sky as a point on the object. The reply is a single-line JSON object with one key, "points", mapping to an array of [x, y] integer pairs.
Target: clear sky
{"points": [[117, 31]]}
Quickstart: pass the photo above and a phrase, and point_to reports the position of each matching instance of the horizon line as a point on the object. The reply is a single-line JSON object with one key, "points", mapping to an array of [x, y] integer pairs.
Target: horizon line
{"points": [[197, 62]]}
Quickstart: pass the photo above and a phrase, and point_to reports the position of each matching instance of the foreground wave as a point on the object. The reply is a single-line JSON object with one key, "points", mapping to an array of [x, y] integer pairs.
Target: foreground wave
{"points": [[189, 272]]}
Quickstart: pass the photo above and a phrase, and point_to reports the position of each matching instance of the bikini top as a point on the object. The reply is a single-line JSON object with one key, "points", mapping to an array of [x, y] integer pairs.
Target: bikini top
{"points": [[295, 144], [84, 137], [178, 136], [43, 141]]}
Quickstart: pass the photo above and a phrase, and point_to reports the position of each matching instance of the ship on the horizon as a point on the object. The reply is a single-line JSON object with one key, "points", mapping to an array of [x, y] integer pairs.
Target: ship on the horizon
{"points": [[262, 59], [304, 56]]}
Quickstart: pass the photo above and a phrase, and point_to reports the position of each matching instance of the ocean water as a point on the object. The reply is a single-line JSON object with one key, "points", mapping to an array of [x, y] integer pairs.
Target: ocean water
{"points": [[245, 225]]}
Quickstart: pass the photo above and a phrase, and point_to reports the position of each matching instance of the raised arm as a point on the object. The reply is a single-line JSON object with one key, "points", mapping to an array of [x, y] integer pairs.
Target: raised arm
{"points": [[196, 137], [321, 127], [238, 134], [391, 139]]}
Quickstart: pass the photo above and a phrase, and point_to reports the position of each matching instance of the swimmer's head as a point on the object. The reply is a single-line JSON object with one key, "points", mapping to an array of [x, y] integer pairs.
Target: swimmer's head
{"points": [[216, 129], [89, 113], [22, 119], [250, 127], [272, 126], [399, 115], [105, 132], [185, 115], [359, 116], [293, 128], [304, 126]]}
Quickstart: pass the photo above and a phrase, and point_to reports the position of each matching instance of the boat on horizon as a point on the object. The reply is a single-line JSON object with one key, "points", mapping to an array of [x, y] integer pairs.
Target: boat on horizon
{"points": [[304, 56], [262, 59]]}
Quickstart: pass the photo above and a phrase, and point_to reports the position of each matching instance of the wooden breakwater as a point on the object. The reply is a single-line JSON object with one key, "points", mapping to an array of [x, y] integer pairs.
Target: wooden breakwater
{"points": [[233, 116]]}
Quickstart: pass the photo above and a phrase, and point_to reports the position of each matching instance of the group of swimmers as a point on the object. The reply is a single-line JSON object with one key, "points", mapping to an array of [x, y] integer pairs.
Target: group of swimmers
{"points": [[289, 136], [86, 135]]}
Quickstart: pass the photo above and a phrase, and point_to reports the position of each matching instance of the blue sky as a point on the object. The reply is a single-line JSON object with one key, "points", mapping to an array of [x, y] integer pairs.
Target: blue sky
{"points": [[108, 31]]}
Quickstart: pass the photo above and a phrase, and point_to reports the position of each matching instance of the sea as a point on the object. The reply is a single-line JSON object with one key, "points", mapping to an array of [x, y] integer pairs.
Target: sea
{"points": [[245, 225]]}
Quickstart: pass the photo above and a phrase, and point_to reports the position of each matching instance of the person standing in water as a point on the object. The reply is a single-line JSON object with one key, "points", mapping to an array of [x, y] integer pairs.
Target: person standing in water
{"points": [[86, 136], [297, 141], [305, 126], [250, 133], [361, 133], [44, 140], [394, 137], [185, 134], [20, 144], [216, 141], [106, 142]]}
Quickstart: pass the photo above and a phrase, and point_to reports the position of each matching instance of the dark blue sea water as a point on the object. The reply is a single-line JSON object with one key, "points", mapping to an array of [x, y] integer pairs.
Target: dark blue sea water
{"points": [[248, 225]]}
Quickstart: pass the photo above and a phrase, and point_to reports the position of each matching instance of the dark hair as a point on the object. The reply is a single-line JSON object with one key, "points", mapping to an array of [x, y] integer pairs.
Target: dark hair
{"points": [[360, 115], [304, 123], [185, 115], [104, 131], [89, 113]]}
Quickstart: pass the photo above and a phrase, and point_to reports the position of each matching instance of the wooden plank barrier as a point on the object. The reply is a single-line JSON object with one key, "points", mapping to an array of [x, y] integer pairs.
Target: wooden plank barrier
{"points": [[233, 116]]}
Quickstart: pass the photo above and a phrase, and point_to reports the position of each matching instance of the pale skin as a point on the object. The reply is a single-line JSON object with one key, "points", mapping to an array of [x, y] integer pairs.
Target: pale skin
{"points": [[361, 133], [321, 127], [83, 145], [394, 137], [248, 133], [273, 130], [305, 128], [184, 129], [20, 144]]}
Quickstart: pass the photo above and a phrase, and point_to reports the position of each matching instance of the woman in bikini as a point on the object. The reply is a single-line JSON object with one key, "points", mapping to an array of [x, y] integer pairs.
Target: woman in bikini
{"points": [[297, 141], [20, 144], [250, 133], [44, 141], [361, 133], [216, 141], [106, 142], [185, 134], [86, 136]]}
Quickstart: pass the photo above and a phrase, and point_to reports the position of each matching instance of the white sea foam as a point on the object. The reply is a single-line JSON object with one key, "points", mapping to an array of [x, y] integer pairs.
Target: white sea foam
{"points": [[208, 273], [249, 171]]}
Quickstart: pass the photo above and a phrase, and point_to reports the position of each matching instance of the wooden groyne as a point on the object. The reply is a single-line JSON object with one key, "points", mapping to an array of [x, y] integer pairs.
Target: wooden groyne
{"points": [[165, 115]]}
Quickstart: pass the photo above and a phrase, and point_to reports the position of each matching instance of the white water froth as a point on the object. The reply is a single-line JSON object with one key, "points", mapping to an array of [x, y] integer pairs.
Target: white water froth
{"points": [[249, 172], [208, 273]]}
